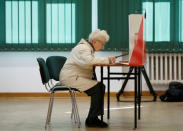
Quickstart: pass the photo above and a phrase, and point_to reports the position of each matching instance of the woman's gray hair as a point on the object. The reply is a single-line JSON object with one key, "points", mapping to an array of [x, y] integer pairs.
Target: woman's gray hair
{"points": [[100, 35]]}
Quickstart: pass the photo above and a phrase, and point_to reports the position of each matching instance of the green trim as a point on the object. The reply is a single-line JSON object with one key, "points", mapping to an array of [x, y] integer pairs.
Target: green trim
{"points": [[38, 47], [164, 47], [19, 0], [59, 1]]}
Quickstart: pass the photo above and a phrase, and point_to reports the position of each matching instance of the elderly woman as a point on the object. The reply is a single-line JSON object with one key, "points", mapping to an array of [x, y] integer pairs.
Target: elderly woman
{"points": [[78, 72]]}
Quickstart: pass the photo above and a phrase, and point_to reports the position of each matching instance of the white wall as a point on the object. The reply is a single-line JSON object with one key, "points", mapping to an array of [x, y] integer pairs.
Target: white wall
{"points": [[19, 71]]}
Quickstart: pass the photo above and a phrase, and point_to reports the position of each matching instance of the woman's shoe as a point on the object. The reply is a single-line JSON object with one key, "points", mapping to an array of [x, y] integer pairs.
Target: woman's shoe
{"points": [[95, 122]]}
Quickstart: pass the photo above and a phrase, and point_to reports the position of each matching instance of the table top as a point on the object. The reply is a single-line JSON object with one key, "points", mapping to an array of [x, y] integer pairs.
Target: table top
{"points": [[120, 63]]}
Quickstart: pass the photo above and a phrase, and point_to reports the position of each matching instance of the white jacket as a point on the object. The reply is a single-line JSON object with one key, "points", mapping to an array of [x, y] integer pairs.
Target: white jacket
{"points": [[77, 72]]}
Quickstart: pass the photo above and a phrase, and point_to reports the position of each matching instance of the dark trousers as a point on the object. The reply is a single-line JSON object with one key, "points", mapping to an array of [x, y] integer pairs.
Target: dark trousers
{"points": [[97, 100]]}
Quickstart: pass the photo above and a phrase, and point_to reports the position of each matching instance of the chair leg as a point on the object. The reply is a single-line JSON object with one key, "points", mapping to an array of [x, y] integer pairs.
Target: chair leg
{"points": [[73, 106], [72, 113], [49, 109], [76, 110]]}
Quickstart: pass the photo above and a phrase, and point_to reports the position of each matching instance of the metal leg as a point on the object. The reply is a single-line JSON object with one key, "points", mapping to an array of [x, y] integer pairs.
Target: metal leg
{"points": [[124, 84], [101, 72], [143, 71], [135, 100], [76, 110], [73, 107], [102, 106], [108, 93], [148, 83], [139, 92], [72, 113], [50, 109]]}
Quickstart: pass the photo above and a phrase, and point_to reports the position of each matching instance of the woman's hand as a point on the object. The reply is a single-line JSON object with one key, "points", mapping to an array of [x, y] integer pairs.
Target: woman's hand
{"points": [[112, 60]]}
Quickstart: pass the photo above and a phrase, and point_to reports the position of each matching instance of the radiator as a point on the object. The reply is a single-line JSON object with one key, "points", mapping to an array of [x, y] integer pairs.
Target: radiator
{"points": [[163, 68]]}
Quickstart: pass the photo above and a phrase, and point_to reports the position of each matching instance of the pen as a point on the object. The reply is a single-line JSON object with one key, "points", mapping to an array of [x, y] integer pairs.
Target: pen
{"points": [[121, 55]]}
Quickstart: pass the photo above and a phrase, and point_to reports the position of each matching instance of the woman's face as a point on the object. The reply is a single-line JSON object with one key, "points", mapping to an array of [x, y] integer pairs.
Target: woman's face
{"points": [[98, 45]]}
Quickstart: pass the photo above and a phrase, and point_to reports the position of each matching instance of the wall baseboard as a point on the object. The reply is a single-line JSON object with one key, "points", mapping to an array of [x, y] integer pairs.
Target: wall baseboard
{"points": [[66, 94]]}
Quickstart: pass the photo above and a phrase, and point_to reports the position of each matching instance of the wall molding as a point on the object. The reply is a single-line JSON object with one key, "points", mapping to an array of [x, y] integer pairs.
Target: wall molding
{"points": [[66, 94]]}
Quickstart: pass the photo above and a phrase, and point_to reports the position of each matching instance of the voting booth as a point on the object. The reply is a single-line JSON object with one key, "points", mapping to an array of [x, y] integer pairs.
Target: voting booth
{"points": [[137, 59], [137, 45]]}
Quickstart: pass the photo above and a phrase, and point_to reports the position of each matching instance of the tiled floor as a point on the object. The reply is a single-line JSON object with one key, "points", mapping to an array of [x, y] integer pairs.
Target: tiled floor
{"points": [[29, 114]]}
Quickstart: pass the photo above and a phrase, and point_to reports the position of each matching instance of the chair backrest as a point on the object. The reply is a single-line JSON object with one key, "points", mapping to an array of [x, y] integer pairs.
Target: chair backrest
{"points": [[43, 70], [55, 64]]}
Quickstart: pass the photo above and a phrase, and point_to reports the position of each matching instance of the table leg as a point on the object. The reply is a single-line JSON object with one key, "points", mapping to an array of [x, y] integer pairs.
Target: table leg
{"points": [[139, 92], [135, 99], [108, 93], [101, 72]]}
